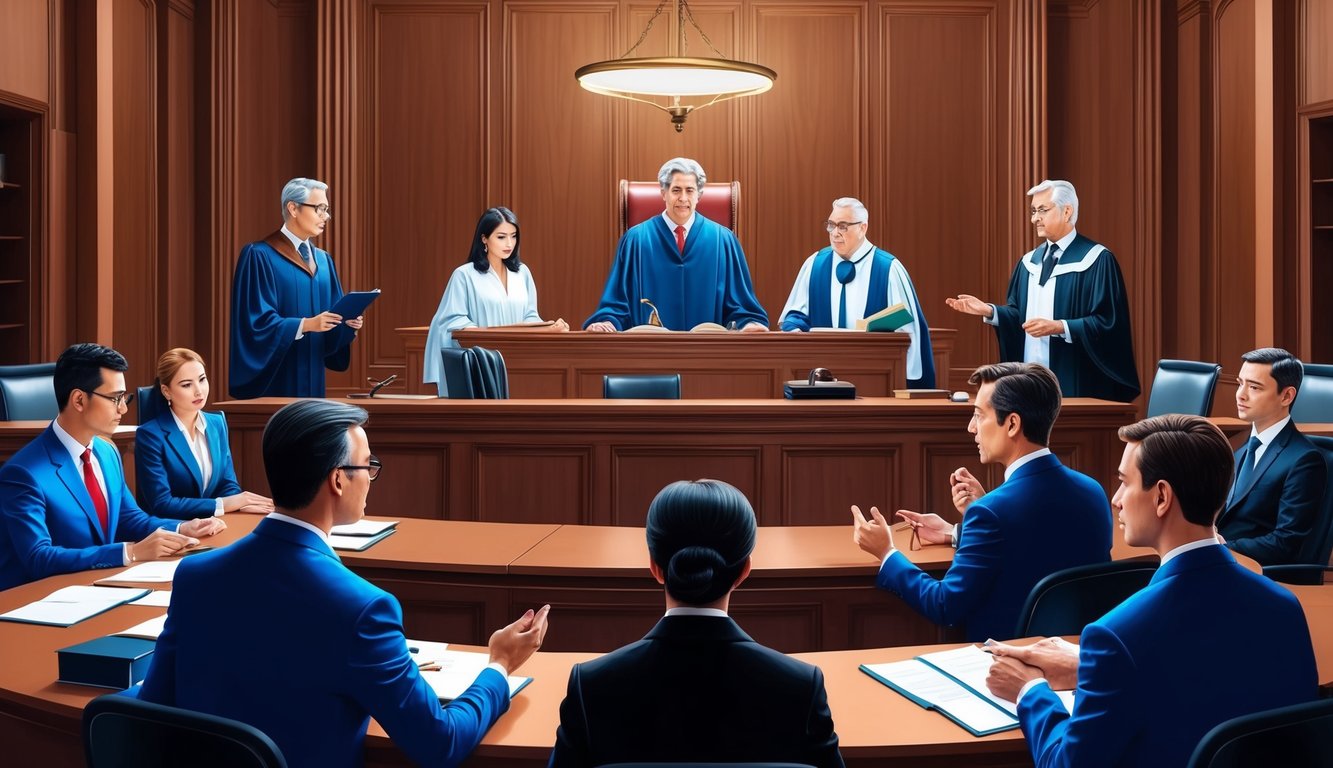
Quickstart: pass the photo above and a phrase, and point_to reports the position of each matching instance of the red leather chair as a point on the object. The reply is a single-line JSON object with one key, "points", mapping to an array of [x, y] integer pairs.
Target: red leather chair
{"points": [[641, 200]]}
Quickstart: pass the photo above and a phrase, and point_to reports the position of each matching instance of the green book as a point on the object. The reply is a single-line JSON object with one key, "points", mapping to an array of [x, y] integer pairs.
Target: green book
{"points": [[888, 319]]}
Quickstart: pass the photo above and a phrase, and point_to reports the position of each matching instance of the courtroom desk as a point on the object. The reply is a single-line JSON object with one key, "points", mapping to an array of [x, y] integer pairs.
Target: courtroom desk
{"points": [[543, 364], [601, 462], [16, 434]]}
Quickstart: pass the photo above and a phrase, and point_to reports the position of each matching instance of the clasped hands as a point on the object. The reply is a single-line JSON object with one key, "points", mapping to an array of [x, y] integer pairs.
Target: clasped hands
{"points": [[1053, 658], [163, 543]]}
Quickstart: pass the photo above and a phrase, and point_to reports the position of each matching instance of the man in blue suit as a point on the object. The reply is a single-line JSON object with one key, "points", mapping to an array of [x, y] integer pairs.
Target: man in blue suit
{"points": [[63, 498], [312, 650], [1159, 671], [1043, 518], [1275, 502]]}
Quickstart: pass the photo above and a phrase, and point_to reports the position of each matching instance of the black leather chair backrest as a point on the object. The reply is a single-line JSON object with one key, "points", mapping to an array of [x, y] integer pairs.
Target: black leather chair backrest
{"points": [[658, 386], [1183, 386], [1318, 547], [456, 367], [119, 732], [490, 373], [28, 393], [150, 402], [1299, 736], [1066, 601], [1314, 402]]}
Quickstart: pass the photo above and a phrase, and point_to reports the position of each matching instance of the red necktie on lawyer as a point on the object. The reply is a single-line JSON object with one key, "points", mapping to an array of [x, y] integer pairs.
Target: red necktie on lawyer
{"points": [[680, 238], [95, 491]]}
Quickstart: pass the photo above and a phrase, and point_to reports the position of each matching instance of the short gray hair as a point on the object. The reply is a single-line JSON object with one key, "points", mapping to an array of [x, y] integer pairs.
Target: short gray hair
{"points": [[858, 209], [681, 165], [1062, 194], [298, 191]]}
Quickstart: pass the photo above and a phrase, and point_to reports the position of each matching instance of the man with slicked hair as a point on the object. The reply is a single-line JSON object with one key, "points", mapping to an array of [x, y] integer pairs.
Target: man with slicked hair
{"points": [[1274, 505], [1044, 518], [691, 268], [311, 650], [283, 334], [1160, 670], [697, 688]]}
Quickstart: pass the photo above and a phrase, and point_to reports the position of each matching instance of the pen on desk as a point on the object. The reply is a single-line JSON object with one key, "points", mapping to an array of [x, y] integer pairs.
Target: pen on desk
{"points": [[986, 649]]}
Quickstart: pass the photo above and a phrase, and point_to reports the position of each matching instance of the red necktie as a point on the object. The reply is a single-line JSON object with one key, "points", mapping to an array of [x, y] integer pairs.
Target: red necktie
{"points": [[95, 491], [680, 238]]}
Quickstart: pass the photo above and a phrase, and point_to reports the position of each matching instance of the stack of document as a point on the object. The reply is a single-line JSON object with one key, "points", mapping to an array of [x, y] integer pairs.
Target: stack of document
{"points": [[458, 669], [71, 605], [954, 684], [361, 535], [148, 630], [154, 572]]}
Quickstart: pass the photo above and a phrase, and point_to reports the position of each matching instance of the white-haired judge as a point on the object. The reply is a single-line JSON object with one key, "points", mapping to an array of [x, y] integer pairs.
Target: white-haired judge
{"points": [[1066, 307], [692, 269], [852, 279]]}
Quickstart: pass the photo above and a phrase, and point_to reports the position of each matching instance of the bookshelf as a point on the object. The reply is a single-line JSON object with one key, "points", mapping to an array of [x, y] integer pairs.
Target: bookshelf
{"points": [[20, 143]]}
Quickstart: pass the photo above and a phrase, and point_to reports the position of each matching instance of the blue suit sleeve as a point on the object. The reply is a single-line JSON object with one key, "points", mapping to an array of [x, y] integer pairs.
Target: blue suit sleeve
{"points": [[1102, 722], [1297, 511], [967, 583], [385, 681], [154, 484], [132, 523], [25, 511]]}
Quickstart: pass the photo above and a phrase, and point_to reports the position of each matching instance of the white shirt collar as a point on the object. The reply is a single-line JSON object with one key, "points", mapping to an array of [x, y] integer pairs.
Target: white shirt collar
{"points": [[858, 256], [671, 224], [1183, 548], [1269, 435], [296, 241], [1021, 460], [685, 610], [324, 537], [67, 440], [200, 423], [1064, 242]]}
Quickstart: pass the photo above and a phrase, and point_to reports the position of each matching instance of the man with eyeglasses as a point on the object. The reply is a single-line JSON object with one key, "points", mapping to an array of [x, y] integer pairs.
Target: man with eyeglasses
{"points": [[1066, 308], [283, 335], [63, 499], [685, 268], [852, 279], [310, 650]]}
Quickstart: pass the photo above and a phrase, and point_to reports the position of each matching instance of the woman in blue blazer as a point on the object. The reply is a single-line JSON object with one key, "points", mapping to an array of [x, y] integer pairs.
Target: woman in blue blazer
{"points": [[182, 457]]}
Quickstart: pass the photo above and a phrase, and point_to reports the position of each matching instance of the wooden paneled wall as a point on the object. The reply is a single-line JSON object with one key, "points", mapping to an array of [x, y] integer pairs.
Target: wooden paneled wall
{"points": [[174, 123]]}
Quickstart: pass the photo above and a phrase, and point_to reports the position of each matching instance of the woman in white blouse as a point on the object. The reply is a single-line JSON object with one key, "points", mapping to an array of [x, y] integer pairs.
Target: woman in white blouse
{"points": [[493, 287]]}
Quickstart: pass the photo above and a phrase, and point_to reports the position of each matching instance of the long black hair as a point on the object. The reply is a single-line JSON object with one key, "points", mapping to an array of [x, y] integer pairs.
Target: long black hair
{"points": [[487, 224]]}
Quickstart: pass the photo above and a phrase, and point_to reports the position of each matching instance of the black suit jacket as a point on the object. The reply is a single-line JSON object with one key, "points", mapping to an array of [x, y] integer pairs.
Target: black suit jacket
{"points": [[697, 688], [1271, 518]]}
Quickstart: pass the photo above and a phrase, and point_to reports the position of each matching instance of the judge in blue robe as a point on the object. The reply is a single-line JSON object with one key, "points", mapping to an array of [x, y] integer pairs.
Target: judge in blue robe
{"points": [[836, 292], [283, 335], [692, 269], [1066, 307]]}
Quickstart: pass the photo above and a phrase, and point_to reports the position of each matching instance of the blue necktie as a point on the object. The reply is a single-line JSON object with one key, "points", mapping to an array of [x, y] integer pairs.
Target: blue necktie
{"points": [[1048, 263], [304, 248], [1247, 463], [846, 273]]}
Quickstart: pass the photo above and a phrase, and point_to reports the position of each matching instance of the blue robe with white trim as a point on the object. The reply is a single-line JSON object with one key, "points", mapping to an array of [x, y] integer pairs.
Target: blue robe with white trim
{"points": [[708, 283], [1091, 299], [272, 291]]}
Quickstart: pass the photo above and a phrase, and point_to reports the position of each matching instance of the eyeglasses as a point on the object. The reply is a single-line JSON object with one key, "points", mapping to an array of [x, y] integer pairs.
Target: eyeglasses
{"points": [[120, 399], [914, 543], [373, 467], [841, 226], [1042, 211], [321, 209]]}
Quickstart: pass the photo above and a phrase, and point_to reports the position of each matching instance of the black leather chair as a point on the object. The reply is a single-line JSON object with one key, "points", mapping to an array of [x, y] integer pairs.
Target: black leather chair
{"points": [[1299, 736], [148, 403], [1314, 575], [1314, 402], [27, 392], [1318, 547], [121, 732], [1183, 386], [1066, 601], [490, 376], [659, 386], [456, 367]]}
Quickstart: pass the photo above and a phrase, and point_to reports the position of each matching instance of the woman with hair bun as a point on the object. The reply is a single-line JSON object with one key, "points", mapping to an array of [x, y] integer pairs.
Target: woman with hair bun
{"points": [[697, 688], [182, 455]]}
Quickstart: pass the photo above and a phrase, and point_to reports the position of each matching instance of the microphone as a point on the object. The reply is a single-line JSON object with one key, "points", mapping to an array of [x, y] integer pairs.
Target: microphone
{"points": [[380, 384], [653, 318]]}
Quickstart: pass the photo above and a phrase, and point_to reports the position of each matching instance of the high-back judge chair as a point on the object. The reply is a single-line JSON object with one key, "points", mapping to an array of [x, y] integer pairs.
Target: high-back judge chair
{"points": [[120, 731], [1183, 386], [28, 392], [641, 200], [1314, 401]]}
